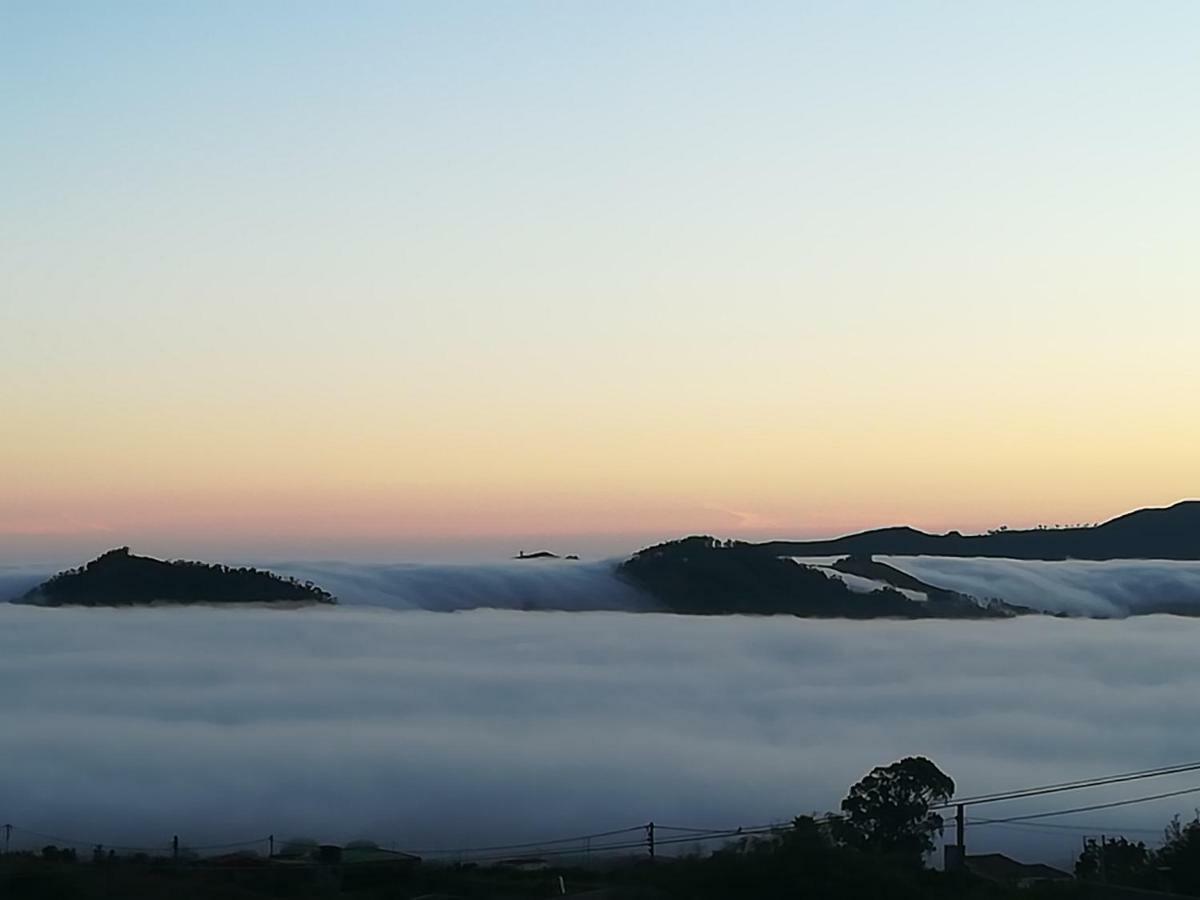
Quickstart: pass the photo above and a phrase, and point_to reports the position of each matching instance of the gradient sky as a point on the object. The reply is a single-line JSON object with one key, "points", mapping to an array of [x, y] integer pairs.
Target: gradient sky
{"points": [[391, 280]]}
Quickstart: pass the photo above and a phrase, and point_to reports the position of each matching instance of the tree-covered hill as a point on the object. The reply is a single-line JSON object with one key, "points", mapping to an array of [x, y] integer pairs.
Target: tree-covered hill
{"points": [[704, 576], [119, 578]]}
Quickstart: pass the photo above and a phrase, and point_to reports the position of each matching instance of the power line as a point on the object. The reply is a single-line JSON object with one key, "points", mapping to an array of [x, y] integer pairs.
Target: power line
{"points": [[72, 842], [529, 844], [741, 832], [737, 829], [232, 844], [1095, 806], [687, 834], [1070, 786], [694, 835], [1062, 826], [75, 842]]}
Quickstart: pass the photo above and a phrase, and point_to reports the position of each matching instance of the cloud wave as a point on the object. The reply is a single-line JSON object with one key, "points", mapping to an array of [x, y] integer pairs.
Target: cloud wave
{"points": [[1081, 588], [527, 585]]}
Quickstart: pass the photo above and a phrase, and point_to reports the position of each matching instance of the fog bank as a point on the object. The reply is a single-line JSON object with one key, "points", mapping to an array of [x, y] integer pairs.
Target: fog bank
{"points": [[538, 584], [427, 730], [1112, 588], [16, 580]]}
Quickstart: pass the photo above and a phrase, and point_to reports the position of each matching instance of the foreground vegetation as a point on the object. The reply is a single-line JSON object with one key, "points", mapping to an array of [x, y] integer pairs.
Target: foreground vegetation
{"points": [[876, 846], [795, 867]]}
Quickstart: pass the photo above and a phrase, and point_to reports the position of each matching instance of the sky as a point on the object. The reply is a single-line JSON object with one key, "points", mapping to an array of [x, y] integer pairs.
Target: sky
{"points": [[432, 280], [428, 730]]}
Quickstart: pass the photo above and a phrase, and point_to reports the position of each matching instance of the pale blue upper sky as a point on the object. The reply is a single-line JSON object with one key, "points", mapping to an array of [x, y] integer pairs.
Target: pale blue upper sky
{"points": [[693, 231]]}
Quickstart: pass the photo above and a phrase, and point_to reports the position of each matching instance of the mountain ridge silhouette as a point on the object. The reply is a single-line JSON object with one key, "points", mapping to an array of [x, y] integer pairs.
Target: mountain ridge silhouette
{"points": [[1169, 532]]}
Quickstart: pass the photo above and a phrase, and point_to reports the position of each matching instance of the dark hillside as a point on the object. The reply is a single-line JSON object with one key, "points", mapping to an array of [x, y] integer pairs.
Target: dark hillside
{"points": [[118, 578], [703, 576]]}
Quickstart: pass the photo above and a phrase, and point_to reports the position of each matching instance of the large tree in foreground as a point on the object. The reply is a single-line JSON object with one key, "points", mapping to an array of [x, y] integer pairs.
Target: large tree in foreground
{"points": [[888, 811]]}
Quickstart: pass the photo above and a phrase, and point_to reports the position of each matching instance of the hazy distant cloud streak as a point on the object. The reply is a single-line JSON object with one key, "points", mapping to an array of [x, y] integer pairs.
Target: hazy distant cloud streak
{"points": [[16, 580]]}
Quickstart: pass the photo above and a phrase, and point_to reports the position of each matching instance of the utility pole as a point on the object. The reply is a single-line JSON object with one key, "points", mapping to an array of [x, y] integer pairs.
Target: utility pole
{"points": [[270, 846], [956, 853], [650, 838], [175, 847], [7, 837]]}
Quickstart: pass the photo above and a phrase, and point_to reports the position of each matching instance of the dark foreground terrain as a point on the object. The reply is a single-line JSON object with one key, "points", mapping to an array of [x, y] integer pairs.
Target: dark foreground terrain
{"points": [[788, 871], [876, 846]]}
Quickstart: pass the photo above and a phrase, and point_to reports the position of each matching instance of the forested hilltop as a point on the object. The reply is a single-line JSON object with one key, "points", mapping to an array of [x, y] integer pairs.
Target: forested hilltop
{"points": [[119, 578], [704, 576]]}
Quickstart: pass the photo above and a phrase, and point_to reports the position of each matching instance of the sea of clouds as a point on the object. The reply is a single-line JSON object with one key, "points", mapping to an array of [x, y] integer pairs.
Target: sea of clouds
{"points": [[429, 730]]}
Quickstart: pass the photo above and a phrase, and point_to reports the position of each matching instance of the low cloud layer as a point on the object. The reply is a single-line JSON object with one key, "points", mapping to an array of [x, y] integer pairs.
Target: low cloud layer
{"points": [[1112, 588], [528, 585], [428, 730], [1103, 589]]}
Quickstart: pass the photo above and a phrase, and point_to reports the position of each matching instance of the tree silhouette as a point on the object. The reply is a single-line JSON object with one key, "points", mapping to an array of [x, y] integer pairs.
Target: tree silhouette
{"points": [[1179, 856], [1116, 860], [888, 811]]}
